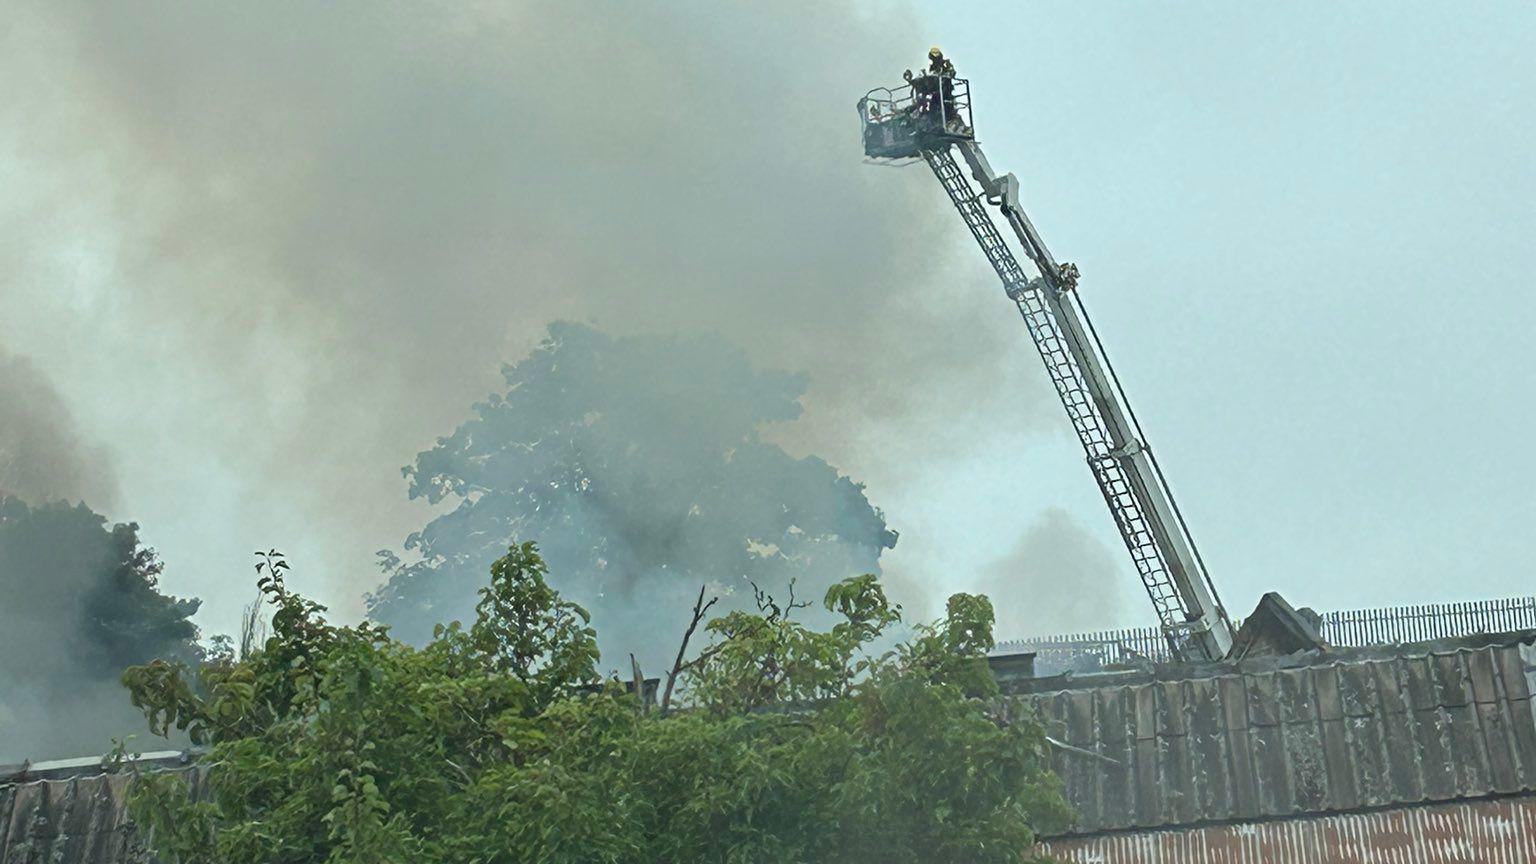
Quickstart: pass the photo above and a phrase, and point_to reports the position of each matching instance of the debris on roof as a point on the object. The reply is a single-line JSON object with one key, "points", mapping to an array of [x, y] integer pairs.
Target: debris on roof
{"points": [[1276, 628]]}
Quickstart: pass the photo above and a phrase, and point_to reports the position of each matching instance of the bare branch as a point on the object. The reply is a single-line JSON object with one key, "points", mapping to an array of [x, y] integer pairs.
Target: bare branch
{"points": [[700, 608], [468, 780], [634, 667], [790, 609], [764, 601]]}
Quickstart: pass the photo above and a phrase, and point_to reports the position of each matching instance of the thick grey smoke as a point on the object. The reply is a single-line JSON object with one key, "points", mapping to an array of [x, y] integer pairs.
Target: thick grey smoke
{"points": [[284, 245], [637, 465], [1058, 579], [79, 602], [43, 455]]}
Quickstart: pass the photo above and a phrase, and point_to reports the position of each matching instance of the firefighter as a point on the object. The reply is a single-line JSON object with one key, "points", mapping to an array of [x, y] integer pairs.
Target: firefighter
{"points": [[938, 64], [941, 69]]}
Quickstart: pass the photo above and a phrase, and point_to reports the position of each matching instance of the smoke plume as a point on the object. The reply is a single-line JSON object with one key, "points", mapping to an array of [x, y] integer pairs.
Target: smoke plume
{"points": [[283, 245], [1058, 579], [43, 456], [79, 602], [637, 465]]}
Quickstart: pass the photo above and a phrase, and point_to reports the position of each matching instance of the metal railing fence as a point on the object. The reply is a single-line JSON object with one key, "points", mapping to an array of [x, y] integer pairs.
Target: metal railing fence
{"points": [[1383, 625]]}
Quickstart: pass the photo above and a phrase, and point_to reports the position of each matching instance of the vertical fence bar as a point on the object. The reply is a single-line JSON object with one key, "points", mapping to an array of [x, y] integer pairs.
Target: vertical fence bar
{"points": [[1350, 628]]}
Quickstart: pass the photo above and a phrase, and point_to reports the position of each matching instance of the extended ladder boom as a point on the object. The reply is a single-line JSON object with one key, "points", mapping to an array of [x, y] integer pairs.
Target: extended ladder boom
{"points": [[1149, 521]]}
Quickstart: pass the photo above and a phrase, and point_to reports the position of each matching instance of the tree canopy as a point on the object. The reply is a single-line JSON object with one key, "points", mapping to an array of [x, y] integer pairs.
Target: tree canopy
{"points": [[499, 743], [79, 602], [638, 464]]}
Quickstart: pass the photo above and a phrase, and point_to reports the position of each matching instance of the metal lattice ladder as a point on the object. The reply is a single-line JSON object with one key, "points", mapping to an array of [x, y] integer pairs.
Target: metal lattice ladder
{"points": [[1185, 601]]}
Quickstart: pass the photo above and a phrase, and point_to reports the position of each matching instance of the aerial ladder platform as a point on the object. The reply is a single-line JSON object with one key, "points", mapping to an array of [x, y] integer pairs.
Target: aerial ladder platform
{"points": [[929, 118]]}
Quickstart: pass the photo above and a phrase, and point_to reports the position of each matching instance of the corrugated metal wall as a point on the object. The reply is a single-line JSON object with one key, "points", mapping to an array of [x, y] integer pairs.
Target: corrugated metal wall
{"points": [[82, 820], [1325, 737], [1481, 832], [79, 821]]}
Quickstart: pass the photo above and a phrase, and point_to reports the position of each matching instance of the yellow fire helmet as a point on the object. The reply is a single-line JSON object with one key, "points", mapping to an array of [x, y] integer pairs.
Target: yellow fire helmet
{"points": [[934, 53]]}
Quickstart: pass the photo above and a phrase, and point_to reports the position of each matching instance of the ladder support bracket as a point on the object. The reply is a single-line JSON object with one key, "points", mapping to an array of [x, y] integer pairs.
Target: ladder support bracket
{"points": [[1128, 449]]}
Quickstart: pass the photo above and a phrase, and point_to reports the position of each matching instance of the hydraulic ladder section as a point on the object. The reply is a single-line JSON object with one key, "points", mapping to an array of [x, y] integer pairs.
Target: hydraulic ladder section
{"points": [[1193, 619]]}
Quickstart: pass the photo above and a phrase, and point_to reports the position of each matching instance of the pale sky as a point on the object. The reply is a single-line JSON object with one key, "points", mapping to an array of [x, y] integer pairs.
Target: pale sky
{"points": [[1306, 235]]}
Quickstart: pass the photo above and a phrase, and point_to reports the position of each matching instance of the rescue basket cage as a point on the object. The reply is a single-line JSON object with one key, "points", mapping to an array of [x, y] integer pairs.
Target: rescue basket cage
{"points": [[926, 113]]}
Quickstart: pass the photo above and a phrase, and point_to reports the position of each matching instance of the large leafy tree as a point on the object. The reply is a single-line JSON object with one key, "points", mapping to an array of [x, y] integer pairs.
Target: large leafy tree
{"points": [[785, 744], [638, 463], [80, 604]]}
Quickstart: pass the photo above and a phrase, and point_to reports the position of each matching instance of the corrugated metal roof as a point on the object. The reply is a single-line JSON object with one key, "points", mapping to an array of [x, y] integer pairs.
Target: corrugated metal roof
{"points": [[77, 821], [1483, 832], [1308, 734], [81, 819]]}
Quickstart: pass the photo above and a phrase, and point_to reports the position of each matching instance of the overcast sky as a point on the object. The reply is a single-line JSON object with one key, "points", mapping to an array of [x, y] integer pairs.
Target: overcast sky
{"points": [[1304, 231]]}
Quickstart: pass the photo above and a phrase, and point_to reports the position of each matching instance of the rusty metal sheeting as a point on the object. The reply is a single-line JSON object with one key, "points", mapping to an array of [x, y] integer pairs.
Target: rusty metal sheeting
{"points": [[82, 820], [1318, 735], [1499, 831]]}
